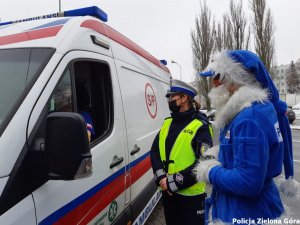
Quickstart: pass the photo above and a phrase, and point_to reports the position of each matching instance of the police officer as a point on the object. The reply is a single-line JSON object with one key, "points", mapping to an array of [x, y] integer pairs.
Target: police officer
{"points": [[182, 139]]}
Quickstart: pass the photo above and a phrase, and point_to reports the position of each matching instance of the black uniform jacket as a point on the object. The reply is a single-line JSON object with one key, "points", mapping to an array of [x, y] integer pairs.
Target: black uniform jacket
{"points": [[184, 178]]}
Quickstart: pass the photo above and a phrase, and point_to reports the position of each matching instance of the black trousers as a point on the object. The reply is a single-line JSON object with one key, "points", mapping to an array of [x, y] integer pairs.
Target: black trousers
{"points": [[184, 210]]}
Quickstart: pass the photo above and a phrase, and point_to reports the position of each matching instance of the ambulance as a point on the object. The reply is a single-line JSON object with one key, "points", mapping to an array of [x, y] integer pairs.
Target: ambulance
{"points": [[54, 68]]}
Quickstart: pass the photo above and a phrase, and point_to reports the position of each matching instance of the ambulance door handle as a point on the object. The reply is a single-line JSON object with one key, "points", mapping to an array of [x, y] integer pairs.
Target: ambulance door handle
{"points": [[116, 161], [136, 149]]}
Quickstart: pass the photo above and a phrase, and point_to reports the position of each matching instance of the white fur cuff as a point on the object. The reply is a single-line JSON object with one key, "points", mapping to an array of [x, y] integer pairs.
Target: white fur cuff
{"points": [[290, 188], [203, 168]]}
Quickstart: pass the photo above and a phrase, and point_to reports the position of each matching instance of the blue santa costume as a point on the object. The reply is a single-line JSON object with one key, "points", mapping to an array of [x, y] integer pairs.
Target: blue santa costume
{"points": [[255, 141]]}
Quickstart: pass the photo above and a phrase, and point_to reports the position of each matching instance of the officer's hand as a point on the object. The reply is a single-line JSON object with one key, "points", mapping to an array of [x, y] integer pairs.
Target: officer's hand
{"points": [[163, 184]]}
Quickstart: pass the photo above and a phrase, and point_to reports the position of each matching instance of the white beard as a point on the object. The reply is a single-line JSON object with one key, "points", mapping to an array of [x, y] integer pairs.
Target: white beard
{"points": [[219, 97], [230, 106]]}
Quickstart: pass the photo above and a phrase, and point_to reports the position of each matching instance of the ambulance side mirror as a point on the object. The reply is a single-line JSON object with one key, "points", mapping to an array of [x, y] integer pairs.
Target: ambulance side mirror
{"points": [[67, 150]]}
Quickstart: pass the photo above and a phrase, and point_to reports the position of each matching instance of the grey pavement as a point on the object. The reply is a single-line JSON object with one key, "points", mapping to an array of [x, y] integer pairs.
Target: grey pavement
{"points": [[157, 217], [295, 125]]}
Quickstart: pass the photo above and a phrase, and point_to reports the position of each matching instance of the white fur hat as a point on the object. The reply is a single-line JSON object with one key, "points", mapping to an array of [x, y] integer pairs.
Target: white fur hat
{"points": [[231, 71]]}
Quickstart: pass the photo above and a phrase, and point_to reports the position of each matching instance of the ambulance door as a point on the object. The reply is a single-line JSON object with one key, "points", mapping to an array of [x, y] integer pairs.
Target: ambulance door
{"points": [[21, 213], [85, 83], [141, 94]]}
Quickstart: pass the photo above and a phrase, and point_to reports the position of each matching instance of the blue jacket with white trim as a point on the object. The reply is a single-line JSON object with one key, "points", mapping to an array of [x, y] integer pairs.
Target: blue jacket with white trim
{"points": [[251, 154]]}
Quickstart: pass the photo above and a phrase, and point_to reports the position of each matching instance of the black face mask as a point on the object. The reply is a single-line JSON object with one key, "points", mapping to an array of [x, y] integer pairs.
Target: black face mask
{"points": [[173, 107]]}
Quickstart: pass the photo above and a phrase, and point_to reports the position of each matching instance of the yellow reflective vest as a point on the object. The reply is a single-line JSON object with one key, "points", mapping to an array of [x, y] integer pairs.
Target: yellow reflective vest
{"points": [[182, 152]]}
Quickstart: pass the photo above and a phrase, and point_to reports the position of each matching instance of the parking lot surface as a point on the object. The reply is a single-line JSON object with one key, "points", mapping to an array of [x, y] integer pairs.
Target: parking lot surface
{"points": [[157, 217]]}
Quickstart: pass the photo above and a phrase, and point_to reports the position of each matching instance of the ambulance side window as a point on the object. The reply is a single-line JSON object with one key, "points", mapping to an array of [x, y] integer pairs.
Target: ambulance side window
{"points": [[85, 88], [94, 96]]}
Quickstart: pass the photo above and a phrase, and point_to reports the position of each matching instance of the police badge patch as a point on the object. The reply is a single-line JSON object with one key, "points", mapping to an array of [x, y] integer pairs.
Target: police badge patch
{"points": [[179, 178]]}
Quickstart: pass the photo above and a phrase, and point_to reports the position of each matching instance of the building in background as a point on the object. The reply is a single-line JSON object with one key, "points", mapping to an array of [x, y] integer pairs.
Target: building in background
{"points": [[280, 80], [281, 84]]}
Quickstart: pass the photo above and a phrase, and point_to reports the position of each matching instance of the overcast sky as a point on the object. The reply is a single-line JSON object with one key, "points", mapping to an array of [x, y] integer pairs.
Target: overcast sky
{"points": [[162, 27]]}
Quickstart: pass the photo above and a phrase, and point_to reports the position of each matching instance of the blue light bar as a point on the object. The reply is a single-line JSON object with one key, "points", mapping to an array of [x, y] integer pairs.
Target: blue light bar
{"points": [[88, 11], [164, 62]]}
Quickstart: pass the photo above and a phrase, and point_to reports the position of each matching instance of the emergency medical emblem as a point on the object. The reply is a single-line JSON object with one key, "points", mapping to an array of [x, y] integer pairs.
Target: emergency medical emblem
{"points": [[277, 129], [179, 178], [112, 212], [150, 100]]}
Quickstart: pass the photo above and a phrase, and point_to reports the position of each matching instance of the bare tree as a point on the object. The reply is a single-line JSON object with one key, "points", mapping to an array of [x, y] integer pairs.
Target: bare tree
{"points": [[277, 81], [223, 37], [219, 38], [202, 46], [298, 66], [238, 21], [235, 32], [263, 32], [293, 79]]}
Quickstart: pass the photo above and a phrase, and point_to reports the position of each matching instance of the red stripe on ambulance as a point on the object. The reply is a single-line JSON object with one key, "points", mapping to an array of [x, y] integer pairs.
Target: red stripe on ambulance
{"points": [[96, 204], [121, 39], [88, 210], [30, 35], [95, 25], [140, 169]]}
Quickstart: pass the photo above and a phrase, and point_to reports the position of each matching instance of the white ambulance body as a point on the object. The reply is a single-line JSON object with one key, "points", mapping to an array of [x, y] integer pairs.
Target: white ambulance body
{"points": [[45, 63]]}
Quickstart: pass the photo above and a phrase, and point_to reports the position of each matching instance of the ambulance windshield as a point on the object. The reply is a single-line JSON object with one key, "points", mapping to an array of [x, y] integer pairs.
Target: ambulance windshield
{"points": [[19, 68]]}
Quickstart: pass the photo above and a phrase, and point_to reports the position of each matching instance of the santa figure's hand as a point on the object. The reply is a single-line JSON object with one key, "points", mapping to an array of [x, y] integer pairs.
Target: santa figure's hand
{"points": [[205, 164], [290, 188]]}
